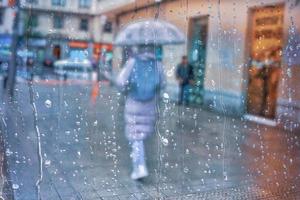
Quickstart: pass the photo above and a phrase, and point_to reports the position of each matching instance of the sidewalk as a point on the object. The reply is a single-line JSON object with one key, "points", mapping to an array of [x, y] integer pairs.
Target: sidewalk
{"points": [[196, 155]]}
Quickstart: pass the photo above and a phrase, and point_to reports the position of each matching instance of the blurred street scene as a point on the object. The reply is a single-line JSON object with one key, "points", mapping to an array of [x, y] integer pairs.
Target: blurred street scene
{"points": [[228, 113], [198, 154]]}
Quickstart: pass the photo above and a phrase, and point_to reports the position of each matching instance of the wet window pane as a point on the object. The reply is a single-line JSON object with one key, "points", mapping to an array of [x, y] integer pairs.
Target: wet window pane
{"points": [[124, 99]]}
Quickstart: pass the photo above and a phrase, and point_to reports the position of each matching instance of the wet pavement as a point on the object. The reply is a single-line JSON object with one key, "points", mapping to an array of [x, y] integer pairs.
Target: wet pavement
{"points": [[195, 154]]}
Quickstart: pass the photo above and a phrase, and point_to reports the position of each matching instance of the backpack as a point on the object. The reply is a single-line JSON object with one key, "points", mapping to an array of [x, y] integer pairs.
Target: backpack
{"points": [[144, 80]]}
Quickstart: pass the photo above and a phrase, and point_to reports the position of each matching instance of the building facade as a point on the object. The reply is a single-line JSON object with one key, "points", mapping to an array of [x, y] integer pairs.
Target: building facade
{"points": [[5, 25], [53, 28], [245, 53]]}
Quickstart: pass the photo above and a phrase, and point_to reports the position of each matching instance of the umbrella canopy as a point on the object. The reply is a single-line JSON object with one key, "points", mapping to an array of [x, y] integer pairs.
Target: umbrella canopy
{"points": [[151, 31]]}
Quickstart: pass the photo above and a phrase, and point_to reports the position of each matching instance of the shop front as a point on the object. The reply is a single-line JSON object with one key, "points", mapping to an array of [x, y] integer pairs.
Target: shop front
{"points": [[239, 56], [57, 46], [5, 41], [103, 56], [78, 45], [38, 46], [197, 44], [273, 73], [266, 47], [101, 49]]}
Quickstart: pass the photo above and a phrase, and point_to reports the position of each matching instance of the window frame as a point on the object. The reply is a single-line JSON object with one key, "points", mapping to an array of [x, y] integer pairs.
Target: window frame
{"points": [[33, 21], [84, 3], [86, 29], [61, 3], [31, 1], [108, 27], [61, 24], [2, 13]]}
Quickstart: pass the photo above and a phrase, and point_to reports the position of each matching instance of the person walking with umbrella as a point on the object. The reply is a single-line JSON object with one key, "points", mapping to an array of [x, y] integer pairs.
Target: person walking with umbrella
{"points": [[142, 78]]}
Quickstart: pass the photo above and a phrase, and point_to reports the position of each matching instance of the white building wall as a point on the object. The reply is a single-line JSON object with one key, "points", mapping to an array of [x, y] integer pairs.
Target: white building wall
{"points": [[70, 29], [72, 13], [106, 5], [70, 6], [6, 27], [97, 23]]}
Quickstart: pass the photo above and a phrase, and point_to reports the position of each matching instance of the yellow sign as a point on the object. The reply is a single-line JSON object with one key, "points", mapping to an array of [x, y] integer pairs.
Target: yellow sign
{"points": [[267, 30]]}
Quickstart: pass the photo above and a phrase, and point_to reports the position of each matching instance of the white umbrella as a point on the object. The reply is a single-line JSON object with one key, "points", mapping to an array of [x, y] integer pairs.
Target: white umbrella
{"points": [[150, 31]]}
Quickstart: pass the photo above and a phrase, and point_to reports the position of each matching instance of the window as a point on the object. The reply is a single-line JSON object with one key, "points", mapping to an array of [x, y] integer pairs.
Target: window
{"points": [[31, 1], [84, 3], [58, 22], [32, 21], [84, 25], [58, 2], [1, 16], [107, 27]]}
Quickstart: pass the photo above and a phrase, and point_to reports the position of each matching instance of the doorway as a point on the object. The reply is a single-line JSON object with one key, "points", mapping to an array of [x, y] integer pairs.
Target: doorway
{"points": [[57, 52], [266, 33], [197, 45]]}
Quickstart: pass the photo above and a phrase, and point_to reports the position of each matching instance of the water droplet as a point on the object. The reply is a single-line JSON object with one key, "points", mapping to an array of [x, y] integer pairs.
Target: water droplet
{"points": [[8, 152], [165, 141], [185, 170], [48, 103], [166, 165], [187, 151], [47, 163], [166, 95], [213, 83], [15, 186], [95, 123], [225, 176], [66, 104]]}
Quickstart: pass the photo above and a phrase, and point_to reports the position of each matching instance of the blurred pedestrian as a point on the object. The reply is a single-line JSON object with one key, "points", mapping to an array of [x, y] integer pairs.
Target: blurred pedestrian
{"points": [[30, 68], [48, 62], [270, 74], [185, 78], [5, 78], [142, 78]]}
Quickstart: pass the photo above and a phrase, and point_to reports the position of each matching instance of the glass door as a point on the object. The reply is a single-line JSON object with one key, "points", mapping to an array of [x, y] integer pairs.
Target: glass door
{"points": [[197, 57]]}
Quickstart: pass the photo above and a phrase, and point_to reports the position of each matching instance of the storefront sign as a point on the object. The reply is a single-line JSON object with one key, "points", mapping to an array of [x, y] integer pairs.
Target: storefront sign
{"points": [[78, 44], [107, 47], [99, 48], [267, 27]]}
